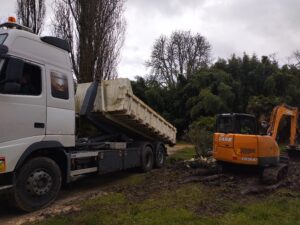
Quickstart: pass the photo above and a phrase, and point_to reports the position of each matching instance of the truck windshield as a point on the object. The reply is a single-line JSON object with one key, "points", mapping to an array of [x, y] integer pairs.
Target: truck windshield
{"points": [[2, 38]]}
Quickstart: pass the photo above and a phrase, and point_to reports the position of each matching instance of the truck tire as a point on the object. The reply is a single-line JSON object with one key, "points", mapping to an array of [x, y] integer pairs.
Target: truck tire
{"points": [[160, 156], [147, 158], [37, 184]]}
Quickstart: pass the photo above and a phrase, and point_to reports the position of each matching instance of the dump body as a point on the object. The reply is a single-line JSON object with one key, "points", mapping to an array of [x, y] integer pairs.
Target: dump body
{"points": [[116, 102]]}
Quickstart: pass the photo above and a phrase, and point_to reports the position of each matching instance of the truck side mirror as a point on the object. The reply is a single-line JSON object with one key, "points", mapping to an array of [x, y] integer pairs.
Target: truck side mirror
{"points": [[3, 49], [14, 70], [11, 88]]}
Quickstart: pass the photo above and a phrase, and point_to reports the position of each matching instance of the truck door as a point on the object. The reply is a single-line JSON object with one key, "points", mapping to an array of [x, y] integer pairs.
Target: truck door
{"points": [[23, 113], [60, 106]]}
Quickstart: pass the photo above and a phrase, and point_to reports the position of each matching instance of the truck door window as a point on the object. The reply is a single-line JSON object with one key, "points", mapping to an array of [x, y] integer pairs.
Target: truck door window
{"points": [[30, 82], [59, 86]]}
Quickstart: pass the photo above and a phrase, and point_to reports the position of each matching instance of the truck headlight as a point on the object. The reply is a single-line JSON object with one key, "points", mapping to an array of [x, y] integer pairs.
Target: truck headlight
{"points": [[2, 164]]}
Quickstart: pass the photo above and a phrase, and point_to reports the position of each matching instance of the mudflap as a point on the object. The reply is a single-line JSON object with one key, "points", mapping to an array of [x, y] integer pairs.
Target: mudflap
{"points": [[275, 174]]}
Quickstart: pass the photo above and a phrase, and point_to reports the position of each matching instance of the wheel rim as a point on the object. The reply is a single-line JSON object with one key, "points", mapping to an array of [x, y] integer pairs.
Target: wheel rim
{"points": [[39, 183]]}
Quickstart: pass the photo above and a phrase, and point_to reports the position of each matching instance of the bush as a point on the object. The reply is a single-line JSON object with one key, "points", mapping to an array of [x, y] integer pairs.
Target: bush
{"points": [[200, 134]]}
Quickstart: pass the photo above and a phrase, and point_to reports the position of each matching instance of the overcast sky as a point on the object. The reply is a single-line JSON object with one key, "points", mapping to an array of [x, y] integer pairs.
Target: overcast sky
{"points": [[263, 27]]}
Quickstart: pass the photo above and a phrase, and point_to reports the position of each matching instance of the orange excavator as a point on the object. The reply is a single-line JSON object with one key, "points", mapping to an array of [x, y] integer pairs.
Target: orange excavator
{"points": [[237, 141]]}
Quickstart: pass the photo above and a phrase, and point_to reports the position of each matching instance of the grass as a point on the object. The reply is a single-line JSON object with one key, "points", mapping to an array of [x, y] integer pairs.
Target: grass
{"points": [[274, 210], [186, 153], [181, 142], [134, 179], [179, 207], [189, 204]]}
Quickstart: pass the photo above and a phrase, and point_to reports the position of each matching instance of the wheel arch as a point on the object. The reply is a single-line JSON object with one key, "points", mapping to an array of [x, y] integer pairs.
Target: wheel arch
{"points": [[51, 149]]}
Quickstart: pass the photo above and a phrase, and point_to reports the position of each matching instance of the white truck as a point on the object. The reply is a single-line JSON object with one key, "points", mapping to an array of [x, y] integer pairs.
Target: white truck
{"points": [[41, 146]]}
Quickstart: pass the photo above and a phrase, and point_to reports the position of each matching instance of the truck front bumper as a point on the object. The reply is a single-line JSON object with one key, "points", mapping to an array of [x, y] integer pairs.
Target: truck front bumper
{"points": [[6, 181]]}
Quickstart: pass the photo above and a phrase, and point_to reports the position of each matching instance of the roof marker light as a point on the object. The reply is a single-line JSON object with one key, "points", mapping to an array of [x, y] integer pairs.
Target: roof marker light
{"points": [[12, 19]]}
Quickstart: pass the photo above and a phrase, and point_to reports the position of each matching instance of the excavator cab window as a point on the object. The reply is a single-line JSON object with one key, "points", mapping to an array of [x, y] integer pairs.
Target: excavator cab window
{"points": [[245, 124], [236, 123], [225, 124]]}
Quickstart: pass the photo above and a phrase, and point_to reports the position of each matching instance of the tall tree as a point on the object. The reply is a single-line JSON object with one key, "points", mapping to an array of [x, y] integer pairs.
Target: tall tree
{"points": [[180, 55], [297, 58], [31, 13], [95, 31]]}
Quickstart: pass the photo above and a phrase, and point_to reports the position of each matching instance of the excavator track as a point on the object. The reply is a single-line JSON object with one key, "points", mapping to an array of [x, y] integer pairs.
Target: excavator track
{"points": [[273, 175]]}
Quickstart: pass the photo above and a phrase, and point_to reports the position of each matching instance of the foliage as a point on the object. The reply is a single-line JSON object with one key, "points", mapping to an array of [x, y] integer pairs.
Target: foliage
{"points": [[244, 84], [200, 134]]}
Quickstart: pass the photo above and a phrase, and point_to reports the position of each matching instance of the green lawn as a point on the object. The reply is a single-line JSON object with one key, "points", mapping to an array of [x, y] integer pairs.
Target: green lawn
{"points": [[189, 204]]}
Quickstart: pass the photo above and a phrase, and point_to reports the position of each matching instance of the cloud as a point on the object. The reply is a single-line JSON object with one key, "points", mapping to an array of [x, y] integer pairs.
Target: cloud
{"points": [[257, 26], [164, 7], [231, 26]]}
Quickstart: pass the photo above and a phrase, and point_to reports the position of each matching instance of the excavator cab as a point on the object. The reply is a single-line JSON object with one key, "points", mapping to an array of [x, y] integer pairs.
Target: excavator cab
{"points": [[236, 139]]}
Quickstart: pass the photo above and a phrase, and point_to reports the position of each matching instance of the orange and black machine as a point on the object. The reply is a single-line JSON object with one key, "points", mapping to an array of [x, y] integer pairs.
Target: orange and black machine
{"points": [[236, 140]]}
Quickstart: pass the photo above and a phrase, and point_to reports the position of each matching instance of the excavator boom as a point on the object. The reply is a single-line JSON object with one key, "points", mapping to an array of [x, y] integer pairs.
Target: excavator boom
{"points": [[277, 114]]}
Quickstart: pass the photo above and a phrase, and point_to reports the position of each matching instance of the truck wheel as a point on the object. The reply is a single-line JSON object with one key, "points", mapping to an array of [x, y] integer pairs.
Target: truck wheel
{"points": [[147, 159], [37, 184], [160, 156]]}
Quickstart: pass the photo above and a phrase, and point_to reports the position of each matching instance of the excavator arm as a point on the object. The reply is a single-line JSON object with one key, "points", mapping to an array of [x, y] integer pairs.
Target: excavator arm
{"points": [[277, 114]]}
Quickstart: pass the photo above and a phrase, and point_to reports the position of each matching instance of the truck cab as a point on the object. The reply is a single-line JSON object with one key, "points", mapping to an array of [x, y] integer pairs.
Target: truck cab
{"points": [[36, 95]]}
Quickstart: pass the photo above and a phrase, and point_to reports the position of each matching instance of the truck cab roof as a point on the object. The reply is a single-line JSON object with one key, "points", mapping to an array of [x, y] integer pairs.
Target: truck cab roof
{"points": [[45, 50]]}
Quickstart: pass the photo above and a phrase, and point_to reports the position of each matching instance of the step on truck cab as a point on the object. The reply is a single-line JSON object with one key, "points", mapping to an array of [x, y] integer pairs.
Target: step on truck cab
{"points": [[40, 145]]}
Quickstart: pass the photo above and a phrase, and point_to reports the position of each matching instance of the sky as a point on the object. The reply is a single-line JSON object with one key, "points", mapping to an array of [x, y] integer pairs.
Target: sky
{"points": [[263, 27]]}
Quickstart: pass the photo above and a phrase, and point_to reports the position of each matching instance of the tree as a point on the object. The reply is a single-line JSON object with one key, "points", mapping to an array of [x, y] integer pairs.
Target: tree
{"points": [[297, 58], [245, 84], [95, 31], [31, 13], [180, 55]]}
